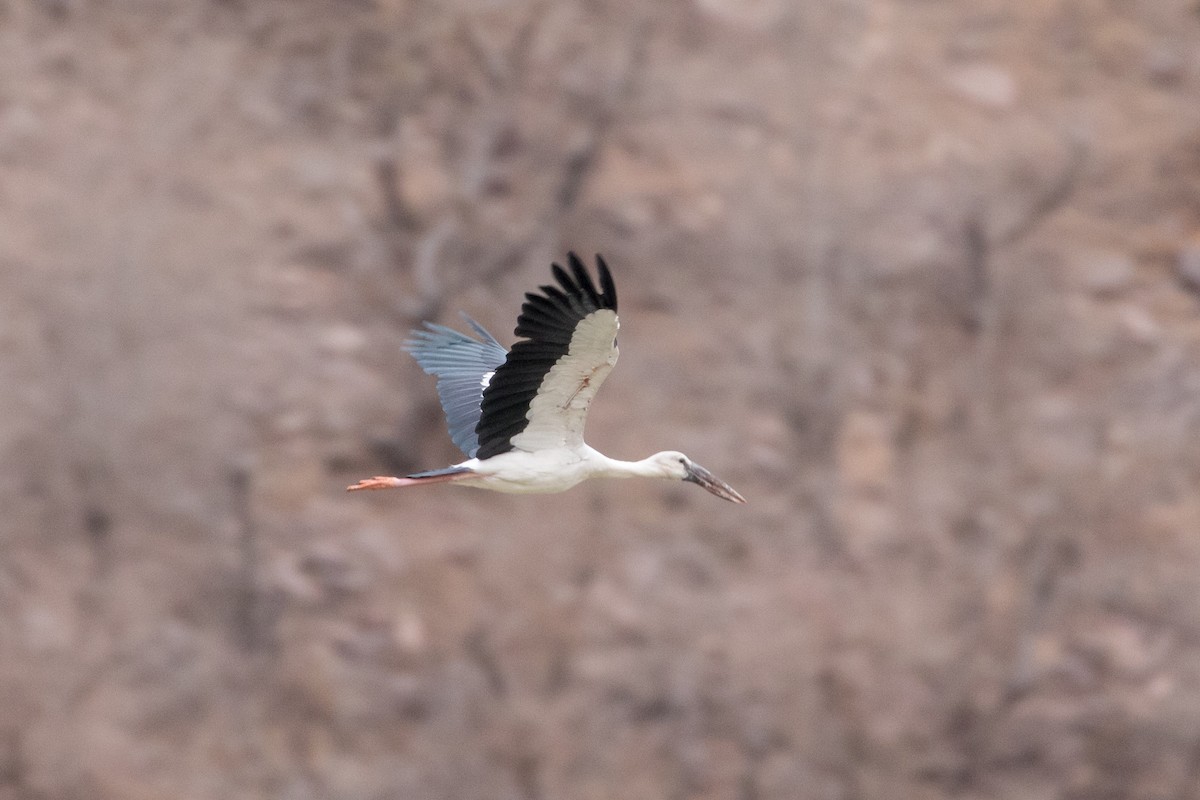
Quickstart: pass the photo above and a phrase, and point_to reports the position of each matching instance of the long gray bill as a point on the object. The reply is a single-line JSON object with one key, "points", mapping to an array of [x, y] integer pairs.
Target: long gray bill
{"points": [[711, 483]]}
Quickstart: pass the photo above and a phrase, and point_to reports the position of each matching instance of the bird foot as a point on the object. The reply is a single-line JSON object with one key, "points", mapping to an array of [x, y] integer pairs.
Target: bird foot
{"points": [[378, 482]]}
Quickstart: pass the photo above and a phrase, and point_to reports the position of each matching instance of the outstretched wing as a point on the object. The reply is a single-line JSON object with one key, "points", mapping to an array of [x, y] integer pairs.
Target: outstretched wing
{"points": [[463, 366], [538, 399]]}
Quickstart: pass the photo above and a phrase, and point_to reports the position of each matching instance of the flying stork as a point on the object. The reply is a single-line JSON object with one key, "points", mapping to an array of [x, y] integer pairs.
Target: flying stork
{"points": [[518, 415]]}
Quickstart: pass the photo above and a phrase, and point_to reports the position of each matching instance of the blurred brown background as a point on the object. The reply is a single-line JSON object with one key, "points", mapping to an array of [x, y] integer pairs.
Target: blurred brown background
{"points": [[919, 278]]}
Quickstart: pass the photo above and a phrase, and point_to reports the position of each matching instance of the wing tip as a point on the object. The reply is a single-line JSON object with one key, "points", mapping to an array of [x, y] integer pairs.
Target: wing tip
{"points": [[606, 297], [608, 288]]}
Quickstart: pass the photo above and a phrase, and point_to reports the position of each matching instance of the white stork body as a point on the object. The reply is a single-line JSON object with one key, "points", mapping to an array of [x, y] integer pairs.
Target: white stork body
{"points": [[556, 470], [519, 415]]}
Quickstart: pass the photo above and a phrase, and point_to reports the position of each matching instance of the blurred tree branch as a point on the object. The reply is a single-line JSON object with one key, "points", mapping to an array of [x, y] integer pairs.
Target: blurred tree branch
{"points": [[459, 233]]}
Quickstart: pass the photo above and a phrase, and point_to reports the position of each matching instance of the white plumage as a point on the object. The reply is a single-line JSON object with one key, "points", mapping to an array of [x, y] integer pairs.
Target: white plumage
{"points": [[519, 415]]}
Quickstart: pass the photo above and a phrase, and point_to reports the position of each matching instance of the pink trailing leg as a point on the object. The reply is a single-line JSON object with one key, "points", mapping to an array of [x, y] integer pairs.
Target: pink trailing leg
{"points": [[386, 482]]}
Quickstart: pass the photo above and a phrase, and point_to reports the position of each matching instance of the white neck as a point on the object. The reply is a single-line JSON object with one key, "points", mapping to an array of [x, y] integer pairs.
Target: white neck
{"points": [[605, 467]]}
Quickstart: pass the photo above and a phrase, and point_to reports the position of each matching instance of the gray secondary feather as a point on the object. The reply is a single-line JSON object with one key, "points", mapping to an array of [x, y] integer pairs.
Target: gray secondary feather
{"points": [[462, 366]]}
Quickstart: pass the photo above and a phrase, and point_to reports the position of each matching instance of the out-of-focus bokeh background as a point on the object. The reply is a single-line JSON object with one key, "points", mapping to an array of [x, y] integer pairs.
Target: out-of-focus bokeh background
{"points": [[921, 279]]}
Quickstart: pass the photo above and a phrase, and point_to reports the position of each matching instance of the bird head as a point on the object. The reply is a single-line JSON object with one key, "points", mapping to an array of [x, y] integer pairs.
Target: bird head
{"points": [[677, 466]]}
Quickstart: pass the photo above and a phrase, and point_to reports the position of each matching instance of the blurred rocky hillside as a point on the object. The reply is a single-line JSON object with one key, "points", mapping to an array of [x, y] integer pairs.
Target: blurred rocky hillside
{"points": [[920, 279]]}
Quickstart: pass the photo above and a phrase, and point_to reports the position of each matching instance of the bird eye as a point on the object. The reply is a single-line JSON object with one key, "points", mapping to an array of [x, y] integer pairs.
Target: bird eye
{"points": [[683, 460]]}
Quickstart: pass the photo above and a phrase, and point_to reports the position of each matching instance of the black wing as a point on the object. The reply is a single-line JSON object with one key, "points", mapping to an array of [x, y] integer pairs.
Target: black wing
{"points": [[539, 397]]}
